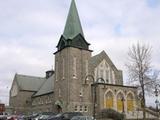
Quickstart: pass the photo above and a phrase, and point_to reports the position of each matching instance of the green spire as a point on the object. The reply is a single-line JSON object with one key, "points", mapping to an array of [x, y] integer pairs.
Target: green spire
{"points": [[73, 25]]}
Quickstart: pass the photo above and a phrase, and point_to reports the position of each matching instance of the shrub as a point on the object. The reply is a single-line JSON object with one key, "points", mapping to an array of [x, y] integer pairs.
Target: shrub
{"points": [[110, 113]]}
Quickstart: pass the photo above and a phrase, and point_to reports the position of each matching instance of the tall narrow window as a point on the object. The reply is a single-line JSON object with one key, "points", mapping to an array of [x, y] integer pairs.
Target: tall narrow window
{"points": [[110, 76], [74, 67], [86, 67], [56, 70], [59, 92], [113, 77], [101, 73], [95, 73], [107, 78], [63, 67], [109, 73]]}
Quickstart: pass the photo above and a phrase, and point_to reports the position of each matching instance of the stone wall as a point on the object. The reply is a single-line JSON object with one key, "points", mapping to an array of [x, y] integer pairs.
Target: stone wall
{"points": [[44, 103], [21, 103], [69, 85]]}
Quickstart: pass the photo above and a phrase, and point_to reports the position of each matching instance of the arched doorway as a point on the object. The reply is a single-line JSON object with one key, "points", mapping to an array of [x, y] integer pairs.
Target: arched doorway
{"points": [[130, 106], [120, 102], [59, 105], [109, 100], [59, 108]]}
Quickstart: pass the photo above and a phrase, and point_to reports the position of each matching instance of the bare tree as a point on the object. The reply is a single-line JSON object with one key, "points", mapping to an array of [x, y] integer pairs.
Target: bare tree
{"points": [[139, 69]]}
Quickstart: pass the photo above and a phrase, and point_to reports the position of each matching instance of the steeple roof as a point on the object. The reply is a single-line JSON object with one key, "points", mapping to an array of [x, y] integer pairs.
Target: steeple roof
{"points": [[73, 34], [73, 25]]}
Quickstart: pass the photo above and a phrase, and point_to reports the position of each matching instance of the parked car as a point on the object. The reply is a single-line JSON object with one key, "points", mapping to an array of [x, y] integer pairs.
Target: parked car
{"points": [[43, 116], [3, 115], [46, 115], [82, 118], [30, 117], [65, 116], [12, 117], [21, 117]]}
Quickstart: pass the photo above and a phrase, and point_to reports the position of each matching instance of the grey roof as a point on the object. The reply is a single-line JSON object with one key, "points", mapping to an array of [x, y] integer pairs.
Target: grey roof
{"points": [[95, 60], [29, 83], [73, 25], [47, 87]]}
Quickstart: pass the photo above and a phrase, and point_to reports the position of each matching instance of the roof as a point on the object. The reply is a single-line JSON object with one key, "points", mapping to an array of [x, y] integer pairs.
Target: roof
{"points": [[116, 85], [73, 25], [47, 87], [95, 60], [29, 83]]}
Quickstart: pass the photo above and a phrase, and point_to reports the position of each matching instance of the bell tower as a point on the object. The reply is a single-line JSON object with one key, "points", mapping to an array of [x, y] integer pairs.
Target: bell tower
{"points": [[71, 66]]}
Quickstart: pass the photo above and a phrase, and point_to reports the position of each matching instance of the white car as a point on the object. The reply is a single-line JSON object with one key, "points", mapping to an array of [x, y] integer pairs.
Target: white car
{"points": [[3, 116]]}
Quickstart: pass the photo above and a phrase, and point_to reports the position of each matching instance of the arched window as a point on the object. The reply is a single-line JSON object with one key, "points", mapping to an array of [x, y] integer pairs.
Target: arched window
{"points": [[130, 106], [103, 71], [120, 102], [109, 100]]}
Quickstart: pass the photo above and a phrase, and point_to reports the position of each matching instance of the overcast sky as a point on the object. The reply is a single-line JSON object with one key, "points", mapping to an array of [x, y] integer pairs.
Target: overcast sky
{"points": [[30, 31]]}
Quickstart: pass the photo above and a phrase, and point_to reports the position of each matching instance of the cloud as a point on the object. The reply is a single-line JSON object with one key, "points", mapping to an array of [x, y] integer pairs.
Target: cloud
{"points": [[30, 31]]}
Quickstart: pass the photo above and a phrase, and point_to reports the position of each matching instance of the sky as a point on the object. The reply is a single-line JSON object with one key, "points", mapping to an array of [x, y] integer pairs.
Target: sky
{"points": [[31, 29]]}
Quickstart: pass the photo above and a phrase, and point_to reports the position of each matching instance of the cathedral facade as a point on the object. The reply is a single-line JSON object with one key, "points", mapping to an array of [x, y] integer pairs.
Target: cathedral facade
{"points": [[80, 82]]}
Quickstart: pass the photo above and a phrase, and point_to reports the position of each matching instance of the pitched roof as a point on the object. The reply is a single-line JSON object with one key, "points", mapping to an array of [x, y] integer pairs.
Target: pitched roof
{"points": [[73, 25], [95, 60], [29, 83], [47, 87]]}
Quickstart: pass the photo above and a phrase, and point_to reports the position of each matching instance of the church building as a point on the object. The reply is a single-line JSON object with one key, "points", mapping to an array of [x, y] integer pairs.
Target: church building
{"points": [[80, 82], [77, 70]]}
